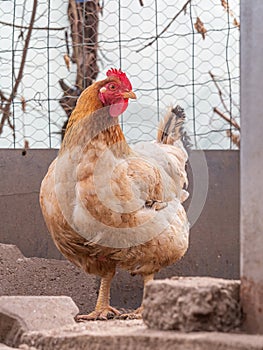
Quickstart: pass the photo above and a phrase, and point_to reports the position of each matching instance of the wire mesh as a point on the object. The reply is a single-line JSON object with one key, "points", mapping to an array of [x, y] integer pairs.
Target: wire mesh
{"points": [[183, 52]]}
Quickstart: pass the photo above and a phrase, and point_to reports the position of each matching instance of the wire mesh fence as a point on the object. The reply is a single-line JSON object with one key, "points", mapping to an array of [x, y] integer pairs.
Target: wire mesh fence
{"points": [[183, 52]]}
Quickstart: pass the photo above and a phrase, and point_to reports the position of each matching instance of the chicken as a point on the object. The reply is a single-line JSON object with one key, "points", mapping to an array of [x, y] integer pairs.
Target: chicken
{"points": [[108, 205]]}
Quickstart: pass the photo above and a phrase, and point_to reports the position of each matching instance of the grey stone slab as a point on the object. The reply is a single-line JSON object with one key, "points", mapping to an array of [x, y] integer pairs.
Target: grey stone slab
{"points": [[19, 314], [133, 334], [192, 304]]}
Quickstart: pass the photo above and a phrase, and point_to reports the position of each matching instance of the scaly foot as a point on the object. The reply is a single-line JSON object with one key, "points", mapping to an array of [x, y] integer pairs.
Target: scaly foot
{"points": [[135, 315], [102, 314]]}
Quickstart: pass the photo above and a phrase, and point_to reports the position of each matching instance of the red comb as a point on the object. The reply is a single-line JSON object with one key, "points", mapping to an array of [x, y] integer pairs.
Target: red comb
{"points": [[122, 76]]}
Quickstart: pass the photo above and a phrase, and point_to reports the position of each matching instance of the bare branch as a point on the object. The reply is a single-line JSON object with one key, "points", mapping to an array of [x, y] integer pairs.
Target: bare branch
{"points": [[183, 9], [11, 125], [35, 28], [235, 138], [63, 85], [6, 109], [67, 43], [73, 19], [225, 4], [2, 97], [220, 93], [230, 121]]}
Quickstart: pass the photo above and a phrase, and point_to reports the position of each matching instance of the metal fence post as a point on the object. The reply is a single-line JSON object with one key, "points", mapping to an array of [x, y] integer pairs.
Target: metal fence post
{"points": [[252, 164]]}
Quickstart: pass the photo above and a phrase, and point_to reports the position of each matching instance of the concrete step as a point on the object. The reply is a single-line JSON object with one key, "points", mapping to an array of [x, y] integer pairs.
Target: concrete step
{"points": [[193, 304], [133, 334], [31, 323]]}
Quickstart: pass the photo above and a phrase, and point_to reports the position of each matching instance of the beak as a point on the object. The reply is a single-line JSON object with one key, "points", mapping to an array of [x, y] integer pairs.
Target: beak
{"points": [[129, 94]]}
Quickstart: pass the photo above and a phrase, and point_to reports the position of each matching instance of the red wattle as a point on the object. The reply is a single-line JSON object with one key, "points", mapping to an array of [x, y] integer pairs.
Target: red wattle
{"points": [[118, 108]]}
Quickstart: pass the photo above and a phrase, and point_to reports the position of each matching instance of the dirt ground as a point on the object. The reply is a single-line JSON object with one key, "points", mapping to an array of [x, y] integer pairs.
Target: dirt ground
{"points": [[39, 276]]}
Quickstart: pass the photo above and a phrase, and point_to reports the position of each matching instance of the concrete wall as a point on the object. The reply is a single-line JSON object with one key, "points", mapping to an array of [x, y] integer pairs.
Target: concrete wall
{"points": [[251, 165], [214, 242]]}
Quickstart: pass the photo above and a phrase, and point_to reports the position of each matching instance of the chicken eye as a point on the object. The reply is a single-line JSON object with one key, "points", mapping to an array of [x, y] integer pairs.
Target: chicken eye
{"points": [[112, 86]]}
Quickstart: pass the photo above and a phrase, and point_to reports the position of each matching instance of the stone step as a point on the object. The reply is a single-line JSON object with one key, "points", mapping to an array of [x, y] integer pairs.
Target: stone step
{"points": [[192, 304], [47, 323], [133, 334]]}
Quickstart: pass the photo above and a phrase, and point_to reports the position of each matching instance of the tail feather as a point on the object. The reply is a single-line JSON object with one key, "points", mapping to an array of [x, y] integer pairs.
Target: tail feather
{"points": [[171, 128]]}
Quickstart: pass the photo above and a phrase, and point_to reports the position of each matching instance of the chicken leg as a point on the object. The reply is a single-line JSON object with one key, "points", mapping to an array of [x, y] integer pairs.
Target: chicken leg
{"points": [[103, 308], [137, 314]]}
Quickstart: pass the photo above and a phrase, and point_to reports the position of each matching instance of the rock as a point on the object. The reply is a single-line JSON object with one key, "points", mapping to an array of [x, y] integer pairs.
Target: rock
{"points": [[192, 304], [9, 252], [20, 314]]}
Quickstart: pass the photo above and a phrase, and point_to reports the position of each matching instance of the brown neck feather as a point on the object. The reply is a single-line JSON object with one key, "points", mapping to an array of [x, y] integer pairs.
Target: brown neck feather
{"points": [[90, 123], [87, 104]]}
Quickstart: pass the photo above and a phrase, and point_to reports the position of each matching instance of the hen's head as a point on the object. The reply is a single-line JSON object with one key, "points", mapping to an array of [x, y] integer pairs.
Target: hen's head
{"points": [[116, 92]]}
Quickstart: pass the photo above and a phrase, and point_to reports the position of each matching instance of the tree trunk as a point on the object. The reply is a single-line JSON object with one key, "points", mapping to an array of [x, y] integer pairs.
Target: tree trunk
{"points": [[83, 17]]}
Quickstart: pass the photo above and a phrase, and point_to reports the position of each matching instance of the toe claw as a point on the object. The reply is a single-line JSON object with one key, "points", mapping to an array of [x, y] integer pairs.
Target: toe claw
{"points": [[135, 315], [102, 314]]}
